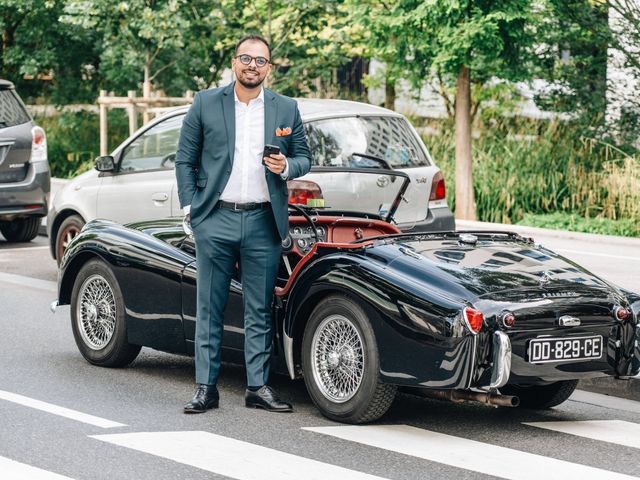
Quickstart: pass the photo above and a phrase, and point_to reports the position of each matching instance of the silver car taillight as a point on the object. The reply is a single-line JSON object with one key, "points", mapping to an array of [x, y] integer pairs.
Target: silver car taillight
{"points": [[38, 145]]}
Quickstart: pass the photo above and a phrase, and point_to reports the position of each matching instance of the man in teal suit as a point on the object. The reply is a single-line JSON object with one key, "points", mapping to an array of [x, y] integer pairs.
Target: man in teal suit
{"points": [[236, 202]]}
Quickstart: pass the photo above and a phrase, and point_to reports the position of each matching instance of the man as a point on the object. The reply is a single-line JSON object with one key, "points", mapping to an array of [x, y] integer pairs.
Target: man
{"points": [[237, 208]]}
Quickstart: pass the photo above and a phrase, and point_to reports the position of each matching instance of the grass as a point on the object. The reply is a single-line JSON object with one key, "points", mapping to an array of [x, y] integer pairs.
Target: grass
{"points": [[548, 173]]}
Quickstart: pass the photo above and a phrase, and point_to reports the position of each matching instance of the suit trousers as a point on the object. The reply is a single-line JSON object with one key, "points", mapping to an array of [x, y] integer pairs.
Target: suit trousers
{"points": [[223, 238]]}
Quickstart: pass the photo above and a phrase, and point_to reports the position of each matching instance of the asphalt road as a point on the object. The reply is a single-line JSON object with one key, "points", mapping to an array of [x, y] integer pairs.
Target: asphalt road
{"points": [[98, 423]]}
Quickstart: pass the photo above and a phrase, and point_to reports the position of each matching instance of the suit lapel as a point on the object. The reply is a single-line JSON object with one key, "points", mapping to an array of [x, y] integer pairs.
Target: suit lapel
{"points": [[270, 115], [229, 113]]}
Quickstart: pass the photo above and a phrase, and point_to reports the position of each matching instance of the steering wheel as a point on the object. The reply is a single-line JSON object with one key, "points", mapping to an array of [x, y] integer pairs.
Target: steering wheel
{"points": [[168, 159]]}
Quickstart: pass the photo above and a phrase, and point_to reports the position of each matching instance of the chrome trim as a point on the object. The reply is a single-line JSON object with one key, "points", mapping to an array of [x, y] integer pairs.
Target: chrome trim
{"points": [[568, 321], [501, 360], [53, 306], [288, 354]]}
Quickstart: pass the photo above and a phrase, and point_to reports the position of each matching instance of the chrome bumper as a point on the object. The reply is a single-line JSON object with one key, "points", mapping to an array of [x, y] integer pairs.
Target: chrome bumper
{"points": [[501, 360]]}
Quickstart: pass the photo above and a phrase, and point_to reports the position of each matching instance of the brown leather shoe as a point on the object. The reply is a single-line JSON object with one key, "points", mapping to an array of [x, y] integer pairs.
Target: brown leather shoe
{"points": [[206, 397], [267, 399]]}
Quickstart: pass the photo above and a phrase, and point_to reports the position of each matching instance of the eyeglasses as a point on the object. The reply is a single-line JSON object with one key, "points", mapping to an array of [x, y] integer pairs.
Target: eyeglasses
{"points": [[246, 60]]}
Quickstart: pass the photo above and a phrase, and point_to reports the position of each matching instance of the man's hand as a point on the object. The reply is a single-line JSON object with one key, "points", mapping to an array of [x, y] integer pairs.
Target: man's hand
{"points": [[186, 224], [276, 163]]}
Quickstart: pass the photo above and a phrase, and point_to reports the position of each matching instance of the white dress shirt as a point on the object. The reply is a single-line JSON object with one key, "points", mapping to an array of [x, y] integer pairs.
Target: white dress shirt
{"points": [[247, 182]]}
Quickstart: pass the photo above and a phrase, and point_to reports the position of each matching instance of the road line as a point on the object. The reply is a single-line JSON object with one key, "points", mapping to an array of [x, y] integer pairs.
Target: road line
{"points": [[12, 470], [468, 454], [606, 255], [57, 410], [40, 247], [612, 431], [606, 401], [29, 282], [229, 457]]}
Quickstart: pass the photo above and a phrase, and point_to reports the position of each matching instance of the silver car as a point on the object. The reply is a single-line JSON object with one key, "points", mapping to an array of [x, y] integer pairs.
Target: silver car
{"points": [[137, 181]]}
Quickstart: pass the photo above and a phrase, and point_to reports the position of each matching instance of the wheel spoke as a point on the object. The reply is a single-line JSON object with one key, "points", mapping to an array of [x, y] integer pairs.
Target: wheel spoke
{"points": [[338, 360], [96, 311]]}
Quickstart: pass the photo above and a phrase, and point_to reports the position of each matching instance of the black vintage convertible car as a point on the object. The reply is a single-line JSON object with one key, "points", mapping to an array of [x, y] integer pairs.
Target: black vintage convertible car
{"points": [[362, 309]]}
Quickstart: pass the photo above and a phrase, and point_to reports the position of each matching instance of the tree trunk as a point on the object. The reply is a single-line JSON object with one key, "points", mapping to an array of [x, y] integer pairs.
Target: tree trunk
{"points": [[465, 197], [146, 87], [389, 92]]}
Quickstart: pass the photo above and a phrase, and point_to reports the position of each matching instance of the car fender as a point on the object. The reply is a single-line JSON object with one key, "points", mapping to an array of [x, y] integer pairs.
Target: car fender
{"points": [[420, 336]]}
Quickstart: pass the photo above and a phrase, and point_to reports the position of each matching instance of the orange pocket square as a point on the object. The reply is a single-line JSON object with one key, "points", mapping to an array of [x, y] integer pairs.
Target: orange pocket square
{"points": [[283, 132]]}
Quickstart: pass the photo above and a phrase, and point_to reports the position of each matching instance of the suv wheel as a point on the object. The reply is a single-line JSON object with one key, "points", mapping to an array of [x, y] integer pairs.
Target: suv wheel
{"points": [[68, 230], [21, 229]]}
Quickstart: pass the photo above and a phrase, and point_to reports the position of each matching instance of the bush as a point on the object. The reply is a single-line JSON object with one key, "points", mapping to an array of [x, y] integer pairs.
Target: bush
{"points": [[73, 139], [542, 168]]}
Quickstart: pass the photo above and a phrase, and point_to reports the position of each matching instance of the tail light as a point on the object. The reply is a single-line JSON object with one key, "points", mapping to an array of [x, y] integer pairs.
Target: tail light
{"points": [[474, 319], [622, 314], [438, 189], [38, 145], [508, 319], [305, 192]]}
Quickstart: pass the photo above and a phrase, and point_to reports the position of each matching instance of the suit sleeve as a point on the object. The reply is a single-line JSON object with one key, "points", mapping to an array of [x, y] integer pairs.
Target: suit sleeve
{"points": [[189, 152], [299, 160]]}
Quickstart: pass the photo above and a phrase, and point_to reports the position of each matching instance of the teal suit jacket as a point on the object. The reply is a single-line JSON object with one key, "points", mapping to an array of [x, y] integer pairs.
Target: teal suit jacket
{"points": [[207, 144]]}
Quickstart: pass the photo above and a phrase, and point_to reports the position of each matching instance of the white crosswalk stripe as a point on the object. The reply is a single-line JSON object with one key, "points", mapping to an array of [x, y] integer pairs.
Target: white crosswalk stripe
{"points": [[229, 457], [57, 410], [12, 470], [612, 431], [467, 454]]}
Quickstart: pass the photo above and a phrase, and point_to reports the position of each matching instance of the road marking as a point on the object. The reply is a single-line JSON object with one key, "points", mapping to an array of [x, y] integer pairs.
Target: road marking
{"points": [[612, 431], [606, 401], [468, 454], [581, 252], [40, 247], [12, 470], [229, 457], [29, 282], [57, 410]]}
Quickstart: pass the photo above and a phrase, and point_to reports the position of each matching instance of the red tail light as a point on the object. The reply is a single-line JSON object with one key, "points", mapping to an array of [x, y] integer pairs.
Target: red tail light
{"points": [[438, 189], [474, 319], [305, 192], [622, 314], [38, 145]]}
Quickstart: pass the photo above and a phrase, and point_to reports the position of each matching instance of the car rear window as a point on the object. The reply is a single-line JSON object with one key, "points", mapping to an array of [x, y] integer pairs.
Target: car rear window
{"points": [[11, 110], [334, 141]]}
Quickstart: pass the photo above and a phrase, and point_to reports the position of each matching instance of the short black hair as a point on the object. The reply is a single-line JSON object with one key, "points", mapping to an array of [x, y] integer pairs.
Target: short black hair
{"points": [[252, 38]]}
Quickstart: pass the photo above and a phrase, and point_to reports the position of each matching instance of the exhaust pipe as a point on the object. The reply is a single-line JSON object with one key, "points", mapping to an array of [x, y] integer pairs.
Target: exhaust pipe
{"points": [[459, 396]]}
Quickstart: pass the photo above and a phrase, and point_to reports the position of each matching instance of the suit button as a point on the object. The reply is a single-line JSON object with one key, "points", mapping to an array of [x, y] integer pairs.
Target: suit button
{"points": [[228, 171]]}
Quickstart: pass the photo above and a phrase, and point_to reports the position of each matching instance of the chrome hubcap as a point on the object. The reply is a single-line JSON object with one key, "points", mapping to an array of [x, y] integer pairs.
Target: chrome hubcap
{"points": [[96, 312], [338, 358]]}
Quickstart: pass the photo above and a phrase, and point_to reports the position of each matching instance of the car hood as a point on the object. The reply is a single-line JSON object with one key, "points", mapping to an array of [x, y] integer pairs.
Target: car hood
{"points": [[493, 268]]}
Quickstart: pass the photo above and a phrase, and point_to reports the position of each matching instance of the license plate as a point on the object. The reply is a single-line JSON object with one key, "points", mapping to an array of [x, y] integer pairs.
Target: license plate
{"points": [[546, 350]]}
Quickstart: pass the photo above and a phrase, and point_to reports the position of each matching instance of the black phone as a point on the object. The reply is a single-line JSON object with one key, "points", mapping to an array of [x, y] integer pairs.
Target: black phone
{"points": [[269, 150]]}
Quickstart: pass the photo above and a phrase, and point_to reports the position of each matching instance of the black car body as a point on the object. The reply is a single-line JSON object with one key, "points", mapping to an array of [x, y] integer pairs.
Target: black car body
{"points": [[362, 309], [24, 169]]}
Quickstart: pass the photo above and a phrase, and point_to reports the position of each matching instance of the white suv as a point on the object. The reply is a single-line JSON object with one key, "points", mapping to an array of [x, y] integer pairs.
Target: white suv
{"points": [[342, 135]]}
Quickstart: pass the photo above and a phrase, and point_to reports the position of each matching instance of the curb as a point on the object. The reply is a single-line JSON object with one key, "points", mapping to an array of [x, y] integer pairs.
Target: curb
{"points": [[629, 389], [533, 231]]}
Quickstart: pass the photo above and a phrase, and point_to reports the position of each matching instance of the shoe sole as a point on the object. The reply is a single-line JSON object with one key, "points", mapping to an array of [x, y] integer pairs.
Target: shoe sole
{"points": [[279, 410], [194, 410]]}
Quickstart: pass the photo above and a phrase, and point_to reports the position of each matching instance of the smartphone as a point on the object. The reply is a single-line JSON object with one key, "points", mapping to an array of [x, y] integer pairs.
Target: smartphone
{"points": [[269, 150]]}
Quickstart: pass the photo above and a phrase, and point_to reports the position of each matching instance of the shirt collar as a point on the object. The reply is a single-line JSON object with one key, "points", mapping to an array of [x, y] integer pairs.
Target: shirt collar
{"points": [[259, 97]]}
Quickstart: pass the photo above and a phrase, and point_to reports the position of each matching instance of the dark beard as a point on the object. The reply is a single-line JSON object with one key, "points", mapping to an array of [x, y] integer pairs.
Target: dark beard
{"points": [[251, 83]]}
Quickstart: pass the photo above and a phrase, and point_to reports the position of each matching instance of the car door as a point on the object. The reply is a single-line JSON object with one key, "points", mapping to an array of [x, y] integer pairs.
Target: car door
{"points": [[143, 186]]}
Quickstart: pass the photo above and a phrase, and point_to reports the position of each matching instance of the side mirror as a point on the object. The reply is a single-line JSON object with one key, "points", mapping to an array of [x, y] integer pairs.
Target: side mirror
{"points": [[105, 163]]}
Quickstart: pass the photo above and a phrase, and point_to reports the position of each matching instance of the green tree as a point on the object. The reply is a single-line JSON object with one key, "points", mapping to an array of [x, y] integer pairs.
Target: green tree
{"points": [[463, 42], [139, 36], [44, 58]]}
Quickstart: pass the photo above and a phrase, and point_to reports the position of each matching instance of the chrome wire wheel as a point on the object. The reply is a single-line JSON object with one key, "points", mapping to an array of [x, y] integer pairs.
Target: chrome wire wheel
{"points": [[337, 356], [96, 312]]}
